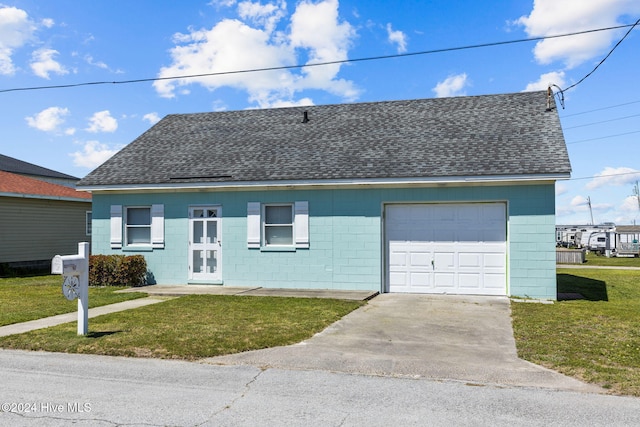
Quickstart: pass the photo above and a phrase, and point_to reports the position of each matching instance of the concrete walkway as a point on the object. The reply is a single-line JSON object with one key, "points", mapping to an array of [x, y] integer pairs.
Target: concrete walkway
{"points": [[19, 328], [178, 290]]}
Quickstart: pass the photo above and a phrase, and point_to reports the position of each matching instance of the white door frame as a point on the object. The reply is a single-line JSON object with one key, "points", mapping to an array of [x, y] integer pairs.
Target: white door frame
{"points": [[208, 247]]}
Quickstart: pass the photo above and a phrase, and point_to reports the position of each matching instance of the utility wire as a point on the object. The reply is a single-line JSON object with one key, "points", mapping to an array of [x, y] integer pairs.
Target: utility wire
{"points": [[600, 122], [602, 137], [603, 176], [317, 64], [598, 109], [562, 91]]}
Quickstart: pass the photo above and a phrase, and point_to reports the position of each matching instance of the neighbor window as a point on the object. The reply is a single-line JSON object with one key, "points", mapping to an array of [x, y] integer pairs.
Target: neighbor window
{"points": [[278, 225], [88, 223], [138, 226]]}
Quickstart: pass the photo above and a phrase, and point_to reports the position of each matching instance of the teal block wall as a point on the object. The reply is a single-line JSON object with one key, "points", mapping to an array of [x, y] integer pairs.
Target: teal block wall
{"points": [[345, 233]]}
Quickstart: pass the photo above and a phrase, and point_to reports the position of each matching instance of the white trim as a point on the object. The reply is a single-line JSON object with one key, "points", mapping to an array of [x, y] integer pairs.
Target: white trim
{"points": [[116, 226], [381, 182], [157, 226], [301, 224], [44, 197], [253, 224]]}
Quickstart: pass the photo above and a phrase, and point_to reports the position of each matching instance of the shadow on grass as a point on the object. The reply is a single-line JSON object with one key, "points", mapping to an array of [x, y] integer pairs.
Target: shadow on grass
{"points": [[101, 334], [572, 287]]}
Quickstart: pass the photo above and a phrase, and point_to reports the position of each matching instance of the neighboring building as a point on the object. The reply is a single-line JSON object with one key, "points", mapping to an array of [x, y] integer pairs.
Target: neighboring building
{"points": [[449, 195], [39, 219], [9, 164]]}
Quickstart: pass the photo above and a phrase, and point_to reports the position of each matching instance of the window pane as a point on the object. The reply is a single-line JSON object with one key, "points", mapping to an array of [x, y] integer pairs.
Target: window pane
{"points": [[198, 232], [138, 235], [212, 232], [139, 216], [198, 261], [279, 235], [278, 215]]}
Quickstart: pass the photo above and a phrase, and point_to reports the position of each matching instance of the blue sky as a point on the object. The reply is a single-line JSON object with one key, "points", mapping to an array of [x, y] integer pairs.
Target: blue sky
{"points": [[73, 130]]}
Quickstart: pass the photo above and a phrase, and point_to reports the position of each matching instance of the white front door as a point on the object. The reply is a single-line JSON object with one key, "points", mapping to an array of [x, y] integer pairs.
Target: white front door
{"points": [[205, 246]]}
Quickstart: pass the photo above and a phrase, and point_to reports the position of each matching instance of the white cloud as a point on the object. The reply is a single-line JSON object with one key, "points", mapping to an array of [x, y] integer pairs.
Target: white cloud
{"points": [[93, 154], [266, 16], [42, 63], [152, 118], [452, 86], [315, 33], [630, 204], [561, 189], [47, 23], [89, 59], [614, 177], [553, 17], [16, 29], [554, 77], [397, 37], [102, 122], [48, 120]]}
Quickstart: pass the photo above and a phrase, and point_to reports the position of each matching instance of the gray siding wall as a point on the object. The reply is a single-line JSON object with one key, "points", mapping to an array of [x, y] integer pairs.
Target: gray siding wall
{"points": [[38, 229]]}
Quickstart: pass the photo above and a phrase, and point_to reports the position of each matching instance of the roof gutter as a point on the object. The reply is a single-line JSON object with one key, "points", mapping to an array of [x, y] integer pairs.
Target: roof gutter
{"points": [[45, 197]]}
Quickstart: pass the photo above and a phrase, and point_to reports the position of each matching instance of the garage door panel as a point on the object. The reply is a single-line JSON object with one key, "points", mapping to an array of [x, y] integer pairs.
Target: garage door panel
{"points": [[469, 260], [420, 279], [495, 260], [469, 280], [444, 281], [420, 259], [465, 242]]}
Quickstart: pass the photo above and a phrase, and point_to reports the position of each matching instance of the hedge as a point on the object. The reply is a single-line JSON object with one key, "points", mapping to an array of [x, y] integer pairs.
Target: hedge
{"points": [[117, 270]]}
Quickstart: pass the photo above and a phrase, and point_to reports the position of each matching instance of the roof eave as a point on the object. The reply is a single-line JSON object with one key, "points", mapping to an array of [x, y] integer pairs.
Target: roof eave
{"points": [[334, 183]]}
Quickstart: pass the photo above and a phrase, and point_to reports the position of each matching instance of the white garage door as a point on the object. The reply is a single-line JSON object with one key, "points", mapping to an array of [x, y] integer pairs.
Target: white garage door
{"points": [[446, 248]]}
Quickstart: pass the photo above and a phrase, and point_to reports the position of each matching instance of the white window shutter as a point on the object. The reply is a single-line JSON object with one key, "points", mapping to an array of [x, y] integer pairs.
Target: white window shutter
{"points": [[116, 226], [253, 224], [301, 224], [157, 226]]}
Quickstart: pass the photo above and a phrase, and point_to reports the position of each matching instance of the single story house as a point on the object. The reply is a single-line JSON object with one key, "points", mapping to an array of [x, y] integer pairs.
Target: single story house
{"points": [[39, 219], [449, 195]]}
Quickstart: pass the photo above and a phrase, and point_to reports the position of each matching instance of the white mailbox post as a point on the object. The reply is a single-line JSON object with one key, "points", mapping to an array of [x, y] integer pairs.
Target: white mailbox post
{"points": [[75, 284]]}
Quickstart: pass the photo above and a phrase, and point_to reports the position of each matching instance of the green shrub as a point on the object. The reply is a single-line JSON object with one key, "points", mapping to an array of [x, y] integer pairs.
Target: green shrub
{"points": [[117, 270]]}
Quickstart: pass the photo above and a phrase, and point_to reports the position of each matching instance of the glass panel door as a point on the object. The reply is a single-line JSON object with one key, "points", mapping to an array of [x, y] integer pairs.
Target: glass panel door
{"points": [[204, 243]]}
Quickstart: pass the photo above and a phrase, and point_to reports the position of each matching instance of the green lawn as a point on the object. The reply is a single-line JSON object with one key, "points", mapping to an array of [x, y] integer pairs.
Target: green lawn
{"points": [[593, 259], [29, 298], [596, 339], [192, 327]]}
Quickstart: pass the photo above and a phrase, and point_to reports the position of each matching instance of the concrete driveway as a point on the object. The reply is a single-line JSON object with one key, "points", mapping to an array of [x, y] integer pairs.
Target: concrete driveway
{"points": [[439, 337]]}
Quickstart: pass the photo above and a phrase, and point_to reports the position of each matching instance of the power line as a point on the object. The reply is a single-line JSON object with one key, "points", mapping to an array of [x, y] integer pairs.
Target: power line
{"points": [[602, 137], [600, 122], [599, 109], [317, 64], [562, 91], [603, 176]]}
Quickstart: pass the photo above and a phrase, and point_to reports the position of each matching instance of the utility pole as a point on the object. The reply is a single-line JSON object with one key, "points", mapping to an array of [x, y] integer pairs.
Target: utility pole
{"points": [[590, 210]]}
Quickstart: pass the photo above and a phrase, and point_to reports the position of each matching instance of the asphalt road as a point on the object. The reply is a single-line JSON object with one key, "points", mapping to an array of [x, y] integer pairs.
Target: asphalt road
{"points": [[48, 389]]}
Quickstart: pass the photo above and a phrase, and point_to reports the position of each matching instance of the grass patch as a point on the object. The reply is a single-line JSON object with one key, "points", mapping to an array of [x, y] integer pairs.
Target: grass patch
{"points": [[29, 298], [597, 339], [192, 327], [593, 259]]}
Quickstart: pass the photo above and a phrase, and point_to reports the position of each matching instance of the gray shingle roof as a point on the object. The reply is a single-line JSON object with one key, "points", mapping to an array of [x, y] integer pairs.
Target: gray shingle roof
{"points": [[490, 135]]}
